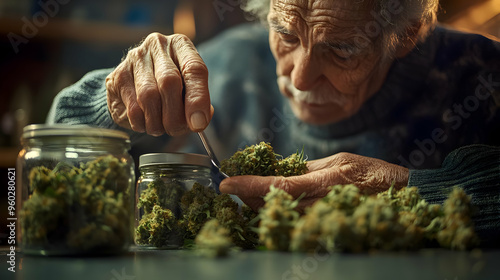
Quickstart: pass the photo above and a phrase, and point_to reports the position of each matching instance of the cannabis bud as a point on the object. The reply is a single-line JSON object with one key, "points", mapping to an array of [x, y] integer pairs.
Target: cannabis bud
{"points": [[261, 160], [277, 219], [457, 230], [86, 208], [213, 239], [173, 216], [345, 220]]}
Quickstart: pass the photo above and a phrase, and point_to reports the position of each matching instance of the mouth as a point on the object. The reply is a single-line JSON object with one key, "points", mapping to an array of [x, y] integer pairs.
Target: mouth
{"points": [[307, 104], [314, 106]]}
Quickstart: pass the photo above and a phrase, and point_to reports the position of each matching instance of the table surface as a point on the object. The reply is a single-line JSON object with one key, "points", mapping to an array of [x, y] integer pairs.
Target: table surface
{"points": [[185, 264]]}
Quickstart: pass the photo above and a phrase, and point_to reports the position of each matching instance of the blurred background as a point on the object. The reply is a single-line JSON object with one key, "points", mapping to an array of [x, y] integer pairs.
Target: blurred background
{"points": [[46, 45]]}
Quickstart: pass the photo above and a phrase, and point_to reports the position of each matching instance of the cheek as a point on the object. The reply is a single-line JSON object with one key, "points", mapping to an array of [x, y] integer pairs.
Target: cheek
{"points": [[347, 79]]}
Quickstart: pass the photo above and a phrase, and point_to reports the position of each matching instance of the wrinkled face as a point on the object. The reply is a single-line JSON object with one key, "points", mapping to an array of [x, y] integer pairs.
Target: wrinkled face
{"points": [[325, 66]]}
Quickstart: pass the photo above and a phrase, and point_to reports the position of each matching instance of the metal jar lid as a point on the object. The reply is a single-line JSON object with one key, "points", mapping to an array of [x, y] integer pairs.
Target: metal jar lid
{"points": [[174, 159], [58, 130]]}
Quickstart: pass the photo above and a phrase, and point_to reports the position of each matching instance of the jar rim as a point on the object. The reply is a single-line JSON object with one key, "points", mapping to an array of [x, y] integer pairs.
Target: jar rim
{"points": [[174, 159], [50, 130]]}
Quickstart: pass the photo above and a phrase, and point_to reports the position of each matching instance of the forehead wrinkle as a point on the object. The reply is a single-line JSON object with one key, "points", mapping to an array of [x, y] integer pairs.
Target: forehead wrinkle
{"points": [[342, 16], [290, 13], [336, 20]]}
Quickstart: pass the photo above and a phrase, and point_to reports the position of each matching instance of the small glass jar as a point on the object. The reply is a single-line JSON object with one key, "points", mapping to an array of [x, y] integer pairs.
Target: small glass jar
{"points": [[164, 178], [75, 190]]}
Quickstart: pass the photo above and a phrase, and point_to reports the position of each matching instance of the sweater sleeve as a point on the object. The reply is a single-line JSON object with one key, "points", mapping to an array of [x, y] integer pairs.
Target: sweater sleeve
{"points": [[83, 102], [476, 169]]}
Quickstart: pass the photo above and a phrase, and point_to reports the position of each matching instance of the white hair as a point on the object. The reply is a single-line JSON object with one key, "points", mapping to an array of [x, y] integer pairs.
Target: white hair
{"points": [[420, 13]]}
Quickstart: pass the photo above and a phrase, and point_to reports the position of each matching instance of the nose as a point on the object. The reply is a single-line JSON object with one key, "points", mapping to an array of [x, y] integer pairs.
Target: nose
{"points": [[306, 71]]}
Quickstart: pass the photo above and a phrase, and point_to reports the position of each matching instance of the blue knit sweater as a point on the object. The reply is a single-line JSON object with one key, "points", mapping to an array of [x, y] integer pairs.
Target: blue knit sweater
{"points": [[437, 114]]}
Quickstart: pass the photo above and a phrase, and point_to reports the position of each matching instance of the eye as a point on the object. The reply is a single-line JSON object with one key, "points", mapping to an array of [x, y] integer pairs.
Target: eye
{"points": [[288, 39], [343, 53]]}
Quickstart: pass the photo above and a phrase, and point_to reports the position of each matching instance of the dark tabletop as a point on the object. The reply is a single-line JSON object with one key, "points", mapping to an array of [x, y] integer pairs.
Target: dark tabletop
{"points": [[184, 264]]}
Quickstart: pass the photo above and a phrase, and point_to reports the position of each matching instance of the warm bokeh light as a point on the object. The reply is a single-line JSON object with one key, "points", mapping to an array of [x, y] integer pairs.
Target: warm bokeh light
{"points": [[479, 15], [184, 20]]}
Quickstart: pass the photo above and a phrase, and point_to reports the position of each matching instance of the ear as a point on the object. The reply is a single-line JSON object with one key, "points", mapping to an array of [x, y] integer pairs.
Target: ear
{"points": [[410, 39]]}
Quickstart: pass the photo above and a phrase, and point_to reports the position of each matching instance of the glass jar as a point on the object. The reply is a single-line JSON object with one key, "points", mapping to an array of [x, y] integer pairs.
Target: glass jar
{"points": [[164, 178], [75, 190]]}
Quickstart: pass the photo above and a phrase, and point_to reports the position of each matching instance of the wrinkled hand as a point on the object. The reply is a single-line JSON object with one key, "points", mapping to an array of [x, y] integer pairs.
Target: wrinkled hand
{"points": [[144, 92], [370, 175]]}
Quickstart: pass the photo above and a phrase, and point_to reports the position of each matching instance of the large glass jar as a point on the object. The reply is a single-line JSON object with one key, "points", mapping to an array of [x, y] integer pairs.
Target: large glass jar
{"points": [[164, 179], [75, 190]]}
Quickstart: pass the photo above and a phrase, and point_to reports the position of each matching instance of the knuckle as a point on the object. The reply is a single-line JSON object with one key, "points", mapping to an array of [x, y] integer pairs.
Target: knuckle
{"points": [[132, 54], [194, 67], [118, 113], [179, 38], [110, 83], [147, 94], [169, 79], [343, 159], [140, 52], [142, 48], [137, 53], [155, 40], [119, 76], [282, 183], [134, 114], [343, 155], [154, 36]]}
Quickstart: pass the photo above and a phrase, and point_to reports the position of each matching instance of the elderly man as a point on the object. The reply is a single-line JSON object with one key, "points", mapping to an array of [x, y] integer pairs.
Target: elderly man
{"points": [[375, 91]]}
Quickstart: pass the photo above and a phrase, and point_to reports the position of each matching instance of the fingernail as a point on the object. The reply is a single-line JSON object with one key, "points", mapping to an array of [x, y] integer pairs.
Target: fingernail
{"points": [[198, 120], [227, 188], [137, 129], [157, 133]]}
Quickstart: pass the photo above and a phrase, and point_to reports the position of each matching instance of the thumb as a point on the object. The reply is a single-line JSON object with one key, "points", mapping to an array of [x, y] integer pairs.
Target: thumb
{"points": [[251, 189], [249, 185], [258, 186]]}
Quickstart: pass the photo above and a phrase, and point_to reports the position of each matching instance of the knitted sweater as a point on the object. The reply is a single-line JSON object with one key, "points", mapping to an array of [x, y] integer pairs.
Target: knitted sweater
{"points": [[437, 114]]}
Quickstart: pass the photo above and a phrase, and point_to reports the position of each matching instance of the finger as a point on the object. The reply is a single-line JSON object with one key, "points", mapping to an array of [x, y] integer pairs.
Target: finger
{"points": [[311, 184], [195, 74], [252, 189], [253, 202], [116, 107], [123, 88], [169, 81], [318, 164], [148, 96], [247, 186]]}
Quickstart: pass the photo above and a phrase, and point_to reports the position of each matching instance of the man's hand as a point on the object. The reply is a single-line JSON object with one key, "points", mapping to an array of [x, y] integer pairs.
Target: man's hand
{"points": [[145, 92], [370, 175]]}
